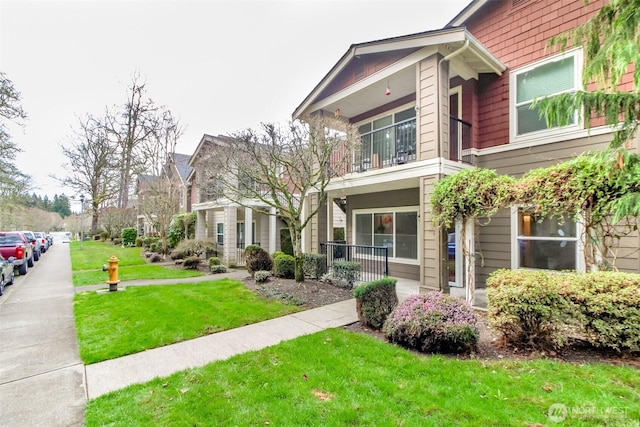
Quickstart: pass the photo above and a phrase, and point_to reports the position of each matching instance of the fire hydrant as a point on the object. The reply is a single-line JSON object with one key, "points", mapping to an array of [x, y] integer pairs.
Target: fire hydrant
{"points": [[112, 268]]}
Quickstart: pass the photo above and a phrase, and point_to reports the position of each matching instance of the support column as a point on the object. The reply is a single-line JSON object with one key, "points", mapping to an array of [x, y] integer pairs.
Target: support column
{"points": [[229, 253], [272, 230], [201, 225], [248, 227], [330, 205]]}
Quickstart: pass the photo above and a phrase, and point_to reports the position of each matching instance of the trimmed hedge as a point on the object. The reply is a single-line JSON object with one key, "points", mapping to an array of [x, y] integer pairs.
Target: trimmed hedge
{"points": [[129, 235], [284, 266], [375, 300], [540, 307], [346, 272]]}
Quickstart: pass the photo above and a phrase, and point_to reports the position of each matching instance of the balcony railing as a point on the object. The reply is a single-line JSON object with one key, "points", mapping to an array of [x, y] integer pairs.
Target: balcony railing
{"points": [[388, 146], [460, 141]]}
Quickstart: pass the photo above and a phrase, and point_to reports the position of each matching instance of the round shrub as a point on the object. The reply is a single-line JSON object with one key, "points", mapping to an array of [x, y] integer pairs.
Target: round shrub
{"points": [[284, 266], [214, 260], [117, 241], [261, 276], [375, 300], [276, 254], [139, 241], [128, 236], [191, 262], [219, 268], [433, 323], [177, 254], [257, 259], [155, 257]]}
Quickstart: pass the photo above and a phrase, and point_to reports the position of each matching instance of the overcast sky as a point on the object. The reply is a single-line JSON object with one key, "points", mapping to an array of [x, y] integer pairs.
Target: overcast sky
{"points": [[219, 66]]}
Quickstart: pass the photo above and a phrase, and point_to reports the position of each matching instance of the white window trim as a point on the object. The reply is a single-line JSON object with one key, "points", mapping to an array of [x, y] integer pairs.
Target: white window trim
{"points": [[546, 135], [393, 210], [385, 114], [515, 255]]}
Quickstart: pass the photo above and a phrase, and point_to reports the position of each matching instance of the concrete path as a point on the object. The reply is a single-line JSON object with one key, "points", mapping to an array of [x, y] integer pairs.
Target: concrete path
{"points": [[41, 375]]}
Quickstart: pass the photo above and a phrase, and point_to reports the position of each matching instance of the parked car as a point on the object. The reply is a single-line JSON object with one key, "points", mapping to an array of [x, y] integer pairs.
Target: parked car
{"points": [[42, 241], [15, 244], [66, 238], [6, 272], [34, 244]]}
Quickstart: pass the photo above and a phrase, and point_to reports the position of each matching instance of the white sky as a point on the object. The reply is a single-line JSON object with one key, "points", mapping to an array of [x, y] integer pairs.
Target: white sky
{"points": [[219, 66]]}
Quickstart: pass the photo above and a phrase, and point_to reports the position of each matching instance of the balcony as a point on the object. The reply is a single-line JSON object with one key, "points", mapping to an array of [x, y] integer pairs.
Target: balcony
{"points": [[387, 146]]}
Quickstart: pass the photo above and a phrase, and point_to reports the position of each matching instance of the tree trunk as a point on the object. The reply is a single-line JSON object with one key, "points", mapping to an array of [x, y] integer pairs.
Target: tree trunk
{"points": [[296, 237]]}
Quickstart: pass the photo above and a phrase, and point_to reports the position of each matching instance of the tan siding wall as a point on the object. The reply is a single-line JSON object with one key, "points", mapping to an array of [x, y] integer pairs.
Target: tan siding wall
{"points": [[428, 110], [494, 239], [433, 254]]}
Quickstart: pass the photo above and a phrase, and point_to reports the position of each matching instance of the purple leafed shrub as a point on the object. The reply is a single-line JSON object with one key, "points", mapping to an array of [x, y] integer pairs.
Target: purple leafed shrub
{"points": [[433, 323]]}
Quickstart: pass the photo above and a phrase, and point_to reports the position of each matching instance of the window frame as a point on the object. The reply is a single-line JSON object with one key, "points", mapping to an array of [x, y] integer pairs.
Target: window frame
{"points": [[220, 234], [515, 238], [551, 134], [394, 211]]}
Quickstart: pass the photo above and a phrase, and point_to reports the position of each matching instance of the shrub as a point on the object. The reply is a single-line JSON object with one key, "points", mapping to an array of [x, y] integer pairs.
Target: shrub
{"points": [[257, 259], [346, 273], [155, 257], [191, 262], [117, 241], [178, 254], [276, 254], [314, 265], [528, 308], [139, 242], [284, 266], [196, 247], [261, 276], [214, 260], [375, 300], [104, 235], [154, 247], [433, 323], [177, 227], [218, 268], [129, 235]]}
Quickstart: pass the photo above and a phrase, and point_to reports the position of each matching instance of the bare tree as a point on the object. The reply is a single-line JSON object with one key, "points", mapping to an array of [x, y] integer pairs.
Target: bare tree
{"points": [[280, 167], [13, 182], [113, 220], [90, 165]]}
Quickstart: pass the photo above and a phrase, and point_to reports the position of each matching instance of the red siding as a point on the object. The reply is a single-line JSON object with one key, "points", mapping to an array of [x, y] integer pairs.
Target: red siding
{"points": [[517, 36]]}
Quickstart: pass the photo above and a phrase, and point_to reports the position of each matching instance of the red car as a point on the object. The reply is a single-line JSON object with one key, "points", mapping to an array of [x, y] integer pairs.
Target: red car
{"points": [[15, 244]]}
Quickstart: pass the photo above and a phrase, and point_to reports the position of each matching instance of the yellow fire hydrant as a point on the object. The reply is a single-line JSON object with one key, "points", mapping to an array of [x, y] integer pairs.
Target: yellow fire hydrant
{"points": [[112, 268]]}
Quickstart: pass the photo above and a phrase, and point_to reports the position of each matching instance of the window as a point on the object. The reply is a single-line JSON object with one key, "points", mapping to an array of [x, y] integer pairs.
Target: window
{"points": [[396, 230], [546, 244], [388, 138], [553, 76], [220, 233]]}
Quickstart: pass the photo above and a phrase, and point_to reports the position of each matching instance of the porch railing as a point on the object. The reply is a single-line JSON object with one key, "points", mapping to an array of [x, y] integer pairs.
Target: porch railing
{"points": [[388, 146], [374, 260], [460, 141]]}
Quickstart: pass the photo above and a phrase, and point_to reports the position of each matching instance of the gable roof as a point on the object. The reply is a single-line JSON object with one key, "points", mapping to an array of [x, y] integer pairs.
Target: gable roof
{"points": [[181, 162], [466, 13], [482, 60]]}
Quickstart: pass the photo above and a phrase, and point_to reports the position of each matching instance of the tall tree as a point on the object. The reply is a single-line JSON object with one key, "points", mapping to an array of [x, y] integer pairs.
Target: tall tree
{"points": [[13, 182], [90, 166], [281, 167], [611, 45]]}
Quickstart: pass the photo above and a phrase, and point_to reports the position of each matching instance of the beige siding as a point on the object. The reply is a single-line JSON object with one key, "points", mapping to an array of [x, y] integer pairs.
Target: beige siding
{"points": [[433, 252], [428, 108], [494, 239]]}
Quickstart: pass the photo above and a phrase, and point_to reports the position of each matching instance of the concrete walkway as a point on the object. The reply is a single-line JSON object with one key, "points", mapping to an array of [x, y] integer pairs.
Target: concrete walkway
{"points": [[41, 375]]}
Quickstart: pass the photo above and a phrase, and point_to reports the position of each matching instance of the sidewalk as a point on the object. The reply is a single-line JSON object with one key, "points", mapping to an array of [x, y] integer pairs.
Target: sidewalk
{"points": [[41, 375]]}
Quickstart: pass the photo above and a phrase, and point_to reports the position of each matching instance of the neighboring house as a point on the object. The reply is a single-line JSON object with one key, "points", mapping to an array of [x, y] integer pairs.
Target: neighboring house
{"points": [[232, 226], [143, 187], [430, 104], [178, 168]]}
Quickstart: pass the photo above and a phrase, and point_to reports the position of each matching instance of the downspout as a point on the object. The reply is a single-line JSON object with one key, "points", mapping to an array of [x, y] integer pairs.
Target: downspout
{"points": [[438, 104]]}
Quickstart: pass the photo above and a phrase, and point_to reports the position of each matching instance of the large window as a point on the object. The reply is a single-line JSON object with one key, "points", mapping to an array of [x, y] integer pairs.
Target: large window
{"points": [[547, 244], [556, 75], [389, 139], [394, 229]]}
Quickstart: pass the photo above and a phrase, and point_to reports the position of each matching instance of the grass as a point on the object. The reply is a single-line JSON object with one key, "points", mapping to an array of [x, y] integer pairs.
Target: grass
{"points": [[117, 324], [134, 272], [94, 254], [340, 378]]}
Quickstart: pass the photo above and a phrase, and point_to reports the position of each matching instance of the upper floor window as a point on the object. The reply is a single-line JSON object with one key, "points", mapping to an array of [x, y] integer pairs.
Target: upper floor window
{"points": [[552, 76]]}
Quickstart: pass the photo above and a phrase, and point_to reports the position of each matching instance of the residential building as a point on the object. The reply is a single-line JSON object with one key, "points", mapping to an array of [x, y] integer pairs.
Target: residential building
{"points": [[431, 104]]}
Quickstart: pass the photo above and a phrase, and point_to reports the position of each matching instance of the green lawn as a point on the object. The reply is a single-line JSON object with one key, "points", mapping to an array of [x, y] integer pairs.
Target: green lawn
{"points": [[94, 254], [336, 378], [115, 324], [134, 272]]}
